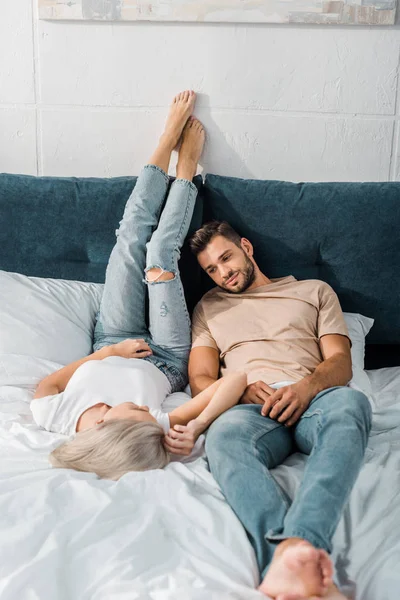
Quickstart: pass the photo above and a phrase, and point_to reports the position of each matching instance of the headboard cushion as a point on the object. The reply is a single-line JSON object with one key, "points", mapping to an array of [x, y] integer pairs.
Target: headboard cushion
{"points": [[343, 233], [65, 227]]}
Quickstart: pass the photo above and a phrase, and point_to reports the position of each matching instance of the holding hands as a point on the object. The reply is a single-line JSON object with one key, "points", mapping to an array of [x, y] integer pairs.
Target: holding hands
{"points": [[191, 419], [182, 438]]}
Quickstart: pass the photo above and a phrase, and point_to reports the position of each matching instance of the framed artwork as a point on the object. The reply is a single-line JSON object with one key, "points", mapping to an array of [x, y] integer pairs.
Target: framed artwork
{"points": [[325, 12]]}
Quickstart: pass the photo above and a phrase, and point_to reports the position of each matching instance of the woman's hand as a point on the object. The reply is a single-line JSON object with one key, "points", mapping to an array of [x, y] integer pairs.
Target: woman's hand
{"points": [[182, 438], [257, 393], [137, 348]]}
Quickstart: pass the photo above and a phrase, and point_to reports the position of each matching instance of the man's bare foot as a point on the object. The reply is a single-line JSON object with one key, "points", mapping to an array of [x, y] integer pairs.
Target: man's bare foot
{"points": [[179, 112], [332, 594], [326, 569], [297, 570], [193, 137]]}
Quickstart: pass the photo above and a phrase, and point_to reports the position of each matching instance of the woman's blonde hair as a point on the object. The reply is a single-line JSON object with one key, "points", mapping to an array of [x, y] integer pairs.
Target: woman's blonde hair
{"points": [[114, 448]]}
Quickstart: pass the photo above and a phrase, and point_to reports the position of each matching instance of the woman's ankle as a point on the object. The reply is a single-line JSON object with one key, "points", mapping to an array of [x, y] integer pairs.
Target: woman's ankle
{"points": [[162, 155], [186, 169]]}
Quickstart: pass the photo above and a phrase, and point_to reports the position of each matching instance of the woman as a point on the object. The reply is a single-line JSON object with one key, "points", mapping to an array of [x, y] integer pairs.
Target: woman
{"points": [[112, 398]]}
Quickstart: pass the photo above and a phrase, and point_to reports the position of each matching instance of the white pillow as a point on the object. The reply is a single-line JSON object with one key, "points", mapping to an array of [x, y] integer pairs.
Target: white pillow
{"points": [[358, 327], [51, 319]]}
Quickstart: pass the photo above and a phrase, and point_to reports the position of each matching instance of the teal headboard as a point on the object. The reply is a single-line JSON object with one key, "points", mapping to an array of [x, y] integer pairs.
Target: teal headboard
{"points": [[65, 227], [344, 233]]}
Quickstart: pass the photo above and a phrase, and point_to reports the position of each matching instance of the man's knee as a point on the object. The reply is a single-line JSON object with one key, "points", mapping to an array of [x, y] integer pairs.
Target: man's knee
{"points": [[236, 427], [352, 404], [360, 406], [224, 429]]}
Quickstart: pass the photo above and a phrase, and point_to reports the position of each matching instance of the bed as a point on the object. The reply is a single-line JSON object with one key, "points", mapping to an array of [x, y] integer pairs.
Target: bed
{"points": [[169, 534]]}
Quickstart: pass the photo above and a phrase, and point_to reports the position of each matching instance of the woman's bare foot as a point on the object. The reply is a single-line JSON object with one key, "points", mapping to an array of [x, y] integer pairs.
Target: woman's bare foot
{"points": [[193, 137], [179, 112], [297, 570]]}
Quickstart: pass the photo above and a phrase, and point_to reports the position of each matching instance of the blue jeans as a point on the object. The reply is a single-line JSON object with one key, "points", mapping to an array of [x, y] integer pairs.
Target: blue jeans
{"points": [[140, 246], [242, 446]]}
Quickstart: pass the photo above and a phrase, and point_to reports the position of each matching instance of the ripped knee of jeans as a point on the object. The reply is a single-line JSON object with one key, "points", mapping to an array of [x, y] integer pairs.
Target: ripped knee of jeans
{"points": [[157, 274]]}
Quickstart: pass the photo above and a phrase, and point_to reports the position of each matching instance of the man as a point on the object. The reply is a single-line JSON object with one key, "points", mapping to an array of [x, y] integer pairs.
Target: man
{"points": [[290, 338]]}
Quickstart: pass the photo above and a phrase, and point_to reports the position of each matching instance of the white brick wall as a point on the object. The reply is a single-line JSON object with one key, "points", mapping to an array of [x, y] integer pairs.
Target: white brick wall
{"points": [[299, 103]]}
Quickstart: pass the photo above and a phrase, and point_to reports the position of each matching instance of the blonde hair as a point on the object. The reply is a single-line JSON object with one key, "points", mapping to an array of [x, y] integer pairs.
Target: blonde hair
{"points": [[114, 448]]}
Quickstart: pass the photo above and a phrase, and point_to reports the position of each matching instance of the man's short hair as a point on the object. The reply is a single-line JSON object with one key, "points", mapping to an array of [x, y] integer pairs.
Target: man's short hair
{"points": [[203, 236]]}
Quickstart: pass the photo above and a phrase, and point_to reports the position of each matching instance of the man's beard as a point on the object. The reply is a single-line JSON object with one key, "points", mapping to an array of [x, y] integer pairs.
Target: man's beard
{"points": [[249, 274]]}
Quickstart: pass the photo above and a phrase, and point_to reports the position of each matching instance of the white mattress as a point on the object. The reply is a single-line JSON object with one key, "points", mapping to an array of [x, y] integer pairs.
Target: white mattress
{"points": [[169, 534]]}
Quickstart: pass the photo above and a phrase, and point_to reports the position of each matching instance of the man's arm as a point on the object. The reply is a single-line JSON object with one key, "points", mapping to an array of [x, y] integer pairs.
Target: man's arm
{"points": [[288, 403], [203, 368], [336, 367]]}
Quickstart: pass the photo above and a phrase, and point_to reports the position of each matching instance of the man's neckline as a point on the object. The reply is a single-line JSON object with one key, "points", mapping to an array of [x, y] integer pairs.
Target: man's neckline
{"points": [[274, 281]]}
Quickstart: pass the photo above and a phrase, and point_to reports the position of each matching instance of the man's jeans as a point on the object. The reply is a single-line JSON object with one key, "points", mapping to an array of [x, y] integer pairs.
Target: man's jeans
{"points": [[122, 309], [242, 446]]}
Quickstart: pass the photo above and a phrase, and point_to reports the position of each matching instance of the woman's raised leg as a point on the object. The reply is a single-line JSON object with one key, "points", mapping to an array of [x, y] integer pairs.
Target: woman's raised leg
{"points": [[169, 318], [122, 309]]}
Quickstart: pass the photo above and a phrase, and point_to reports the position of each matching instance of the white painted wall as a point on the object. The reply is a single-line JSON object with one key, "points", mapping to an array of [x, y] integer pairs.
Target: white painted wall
{"points": [[299, 103]]}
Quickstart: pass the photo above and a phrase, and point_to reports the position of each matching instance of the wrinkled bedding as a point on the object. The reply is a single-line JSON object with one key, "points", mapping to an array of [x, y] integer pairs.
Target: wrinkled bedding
{"points": [[169, 534]]}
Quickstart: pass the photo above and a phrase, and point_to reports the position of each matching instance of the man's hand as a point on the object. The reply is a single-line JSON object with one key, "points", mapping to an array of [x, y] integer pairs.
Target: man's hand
{"points": [[182, 438], [137, 348], [288, 403], [257, 393]]}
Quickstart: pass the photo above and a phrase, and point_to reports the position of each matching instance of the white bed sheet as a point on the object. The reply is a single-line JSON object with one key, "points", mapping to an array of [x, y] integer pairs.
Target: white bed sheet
{"points": [[169, 534], [366, 545]]}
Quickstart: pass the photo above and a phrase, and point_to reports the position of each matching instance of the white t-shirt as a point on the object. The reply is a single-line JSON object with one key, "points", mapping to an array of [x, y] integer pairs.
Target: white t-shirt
{"points": [[113, 380]]}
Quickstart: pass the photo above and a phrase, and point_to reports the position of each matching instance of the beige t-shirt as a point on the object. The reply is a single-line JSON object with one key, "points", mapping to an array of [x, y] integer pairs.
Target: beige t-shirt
{"points": [[272, 333]]}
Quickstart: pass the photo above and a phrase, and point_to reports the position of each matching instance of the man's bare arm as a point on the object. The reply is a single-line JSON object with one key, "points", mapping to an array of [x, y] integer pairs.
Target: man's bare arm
{"points": [[288, 403], [336, 367], [203, 368]]}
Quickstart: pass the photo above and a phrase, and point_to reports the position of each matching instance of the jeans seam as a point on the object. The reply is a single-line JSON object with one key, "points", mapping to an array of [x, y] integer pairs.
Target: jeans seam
{"points": [[185, 182], [175, 249], [318, 543], [177, 378], [159, 169], [254, 441], [186, 212], [318, 412]]}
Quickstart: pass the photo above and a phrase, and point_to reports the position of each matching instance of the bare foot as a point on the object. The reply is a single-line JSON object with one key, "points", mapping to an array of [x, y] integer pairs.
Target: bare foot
{"points": [[332, 594], [326, 569], [179, 112], [193, 137], [297, 570]]}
